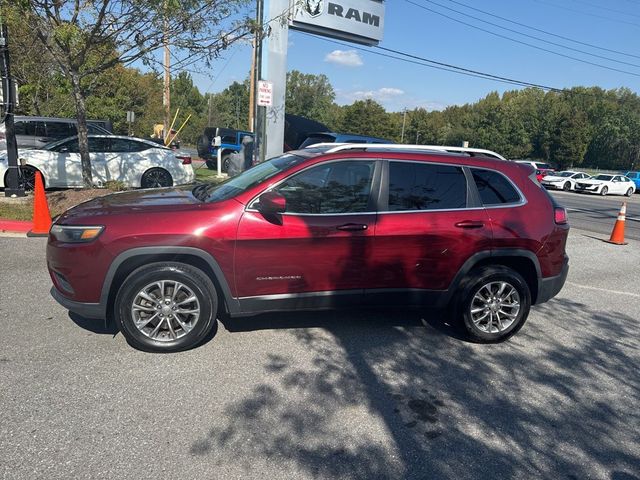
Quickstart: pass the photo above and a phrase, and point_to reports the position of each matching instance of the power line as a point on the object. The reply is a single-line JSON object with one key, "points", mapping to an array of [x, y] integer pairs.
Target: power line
{"points": [[425, 62], [533, 36], [523, 43], [545, 31], [605, 8], [587, 13]]}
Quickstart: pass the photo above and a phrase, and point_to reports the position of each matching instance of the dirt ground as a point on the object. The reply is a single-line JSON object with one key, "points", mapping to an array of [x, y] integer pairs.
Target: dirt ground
{"points": [[58, 200]]}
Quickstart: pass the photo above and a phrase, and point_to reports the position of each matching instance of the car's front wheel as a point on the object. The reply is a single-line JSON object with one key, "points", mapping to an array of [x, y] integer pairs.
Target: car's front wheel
{"points": [[166, 307], [567, 186], [604, 191], [494, 303], [156, 178]]}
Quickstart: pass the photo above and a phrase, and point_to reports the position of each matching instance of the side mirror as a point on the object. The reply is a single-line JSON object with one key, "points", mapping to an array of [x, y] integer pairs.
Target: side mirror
{"points": [[271, 202]]}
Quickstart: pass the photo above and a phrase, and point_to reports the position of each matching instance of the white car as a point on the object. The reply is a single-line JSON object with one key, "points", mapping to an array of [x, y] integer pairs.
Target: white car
{"points": [[536, 165], [604, 184], [133, 161], [565, 180]]}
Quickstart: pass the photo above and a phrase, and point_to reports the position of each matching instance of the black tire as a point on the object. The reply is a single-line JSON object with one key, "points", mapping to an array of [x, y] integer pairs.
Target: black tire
{"points": [[629, 192], [197, 282], [474, 282], [567, 186], [604, 191], [203, 145], [226, 161], [28, 178], [156, 178]]}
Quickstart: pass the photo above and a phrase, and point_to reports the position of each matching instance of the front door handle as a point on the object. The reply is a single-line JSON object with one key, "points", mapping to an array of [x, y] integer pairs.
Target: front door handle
{"points": [[352, 227], [470, 224]]}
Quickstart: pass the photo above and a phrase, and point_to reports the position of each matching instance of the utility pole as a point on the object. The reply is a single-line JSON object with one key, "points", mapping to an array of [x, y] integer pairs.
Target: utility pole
{"points": [[252, 80], [417, 136], [259, 116], [14, 187], [166, 98], [209, 112], [404, 121]]}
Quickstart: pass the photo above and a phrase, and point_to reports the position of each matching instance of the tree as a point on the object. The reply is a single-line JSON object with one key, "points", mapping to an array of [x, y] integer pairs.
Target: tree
{"points": [[310, 96], [86, 38], [367, 117]]}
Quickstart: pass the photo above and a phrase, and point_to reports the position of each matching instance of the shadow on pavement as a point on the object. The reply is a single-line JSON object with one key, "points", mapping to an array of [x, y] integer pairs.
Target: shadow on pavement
{"points": [[381, 395]]}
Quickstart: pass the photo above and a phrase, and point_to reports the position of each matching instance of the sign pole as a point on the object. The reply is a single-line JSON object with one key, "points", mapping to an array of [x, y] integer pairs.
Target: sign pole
{"points": [[14, 187]]}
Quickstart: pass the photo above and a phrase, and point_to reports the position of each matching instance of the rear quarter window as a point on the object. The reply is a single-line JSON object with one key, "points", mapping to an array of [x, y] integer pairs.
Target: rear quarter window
{"points": [[494, 188]]}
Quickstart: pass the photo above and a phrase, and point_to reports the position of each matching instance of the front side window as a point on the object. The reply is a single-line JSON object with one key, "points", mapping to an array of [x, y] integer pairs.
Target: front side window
{"points": [[418, 186], [336, 187], [494, 188]]}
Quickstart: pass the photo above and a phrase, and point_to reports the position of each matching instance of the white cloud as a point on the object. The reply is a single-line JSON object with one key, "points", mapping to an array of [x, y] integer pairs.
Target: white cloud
{"points": [[381, 95], [346, 58]]}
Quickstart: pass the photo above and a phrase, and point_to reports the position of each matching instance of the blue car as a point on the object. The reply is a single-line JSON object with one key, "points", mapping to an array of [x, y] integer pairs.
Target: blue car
{"points": [[635, 178]]}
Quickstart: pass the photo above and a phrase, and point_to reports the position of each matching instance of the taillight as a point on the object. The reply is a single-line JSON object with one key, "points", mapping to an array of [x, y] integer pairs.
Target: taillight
{"points": [[185, 160], [560, 215]]}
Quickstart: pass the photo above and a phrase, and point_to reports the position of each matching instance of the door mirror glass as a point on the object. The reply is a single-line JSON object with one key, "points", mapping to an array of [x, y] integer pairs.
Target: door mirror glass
{"points": [[270, 203]]}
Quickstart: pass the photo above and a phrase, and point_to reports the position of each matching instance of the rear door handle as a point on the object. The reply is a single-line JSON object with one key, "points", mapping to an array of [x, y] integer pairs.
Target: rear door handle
{"points": [[470, 224], [352, 227]]}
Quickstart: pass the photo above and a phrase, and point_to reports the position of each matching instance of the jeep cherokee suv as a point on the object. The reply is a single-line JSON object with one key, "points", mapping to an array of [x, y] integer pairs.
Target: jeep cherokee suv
{"points": [[318, 228]]}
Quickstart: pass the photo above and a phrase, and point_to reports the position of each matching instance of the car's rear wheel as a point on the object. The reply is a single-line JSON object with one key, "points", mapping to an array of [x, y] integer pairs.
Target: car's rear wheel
{"points": [[604, 191], [629, 192], [156, 178], [166, 307], [567, 186], [494, 303], [226, 162]]}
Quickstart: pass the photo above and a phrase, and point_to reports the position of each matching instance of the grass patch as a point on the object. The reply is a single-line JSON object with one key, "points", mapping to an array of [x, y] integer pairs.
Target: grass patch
{"points": [[16, 210], [203, 174]]}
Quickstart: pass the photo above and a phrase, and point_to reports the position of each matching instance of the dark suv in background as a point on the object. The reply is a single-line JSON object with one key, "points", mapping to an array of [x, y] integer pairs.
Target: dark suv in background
{"points": [[313, 229], [36, 132]]}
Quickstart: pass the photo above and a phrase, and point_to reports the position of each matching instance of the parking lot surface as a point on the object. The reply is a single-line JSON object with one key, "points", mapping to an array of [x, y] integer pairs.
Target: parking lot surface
{"points": [[361, 395], [598, 214]]}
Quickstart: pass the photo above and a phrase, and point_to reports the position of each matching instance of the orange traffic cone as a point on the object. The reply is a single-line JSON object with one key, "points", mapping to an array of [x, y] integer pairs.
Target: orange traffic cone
{"points": [[617, 235], [41, 215]]}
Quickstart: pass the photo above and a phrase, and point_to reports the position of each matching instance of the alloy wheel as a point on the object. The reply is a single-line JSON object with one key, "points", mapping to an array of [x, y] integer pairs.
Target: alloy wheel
{"points": [[495, 306], [165, 310]]}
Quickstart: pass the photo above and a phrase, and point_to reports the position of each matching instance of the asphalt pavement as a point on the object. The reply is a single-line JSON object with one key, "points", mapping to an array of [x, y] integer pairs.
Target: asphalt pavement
{"points": [[356, 395], [598, 214]]}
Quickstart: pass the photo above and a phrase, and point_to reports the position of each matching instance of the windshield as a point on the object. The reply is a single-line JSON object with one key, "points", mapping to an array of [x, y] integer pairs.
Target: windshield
{"points": [[247, 179], [563, 174], [606, 178]]}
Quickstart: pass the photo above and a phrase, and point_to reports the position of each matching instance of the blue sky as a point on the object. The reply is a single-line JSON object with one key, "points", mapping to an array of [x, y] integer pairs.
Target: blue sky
{"points": [[355, 74]]}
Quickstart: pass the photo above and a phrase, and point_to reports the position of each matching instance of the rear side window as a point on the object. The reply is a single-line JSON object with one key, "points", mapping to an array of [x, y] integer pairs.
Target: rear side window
{"points": [[494, 188], [60, 130], [422, 186]]}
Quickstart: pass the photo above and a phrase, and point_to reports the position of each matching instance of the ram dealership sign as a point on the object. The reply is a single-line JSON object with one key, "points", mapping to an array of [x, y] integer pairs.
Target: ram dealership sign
{"points": [[360, 21]]}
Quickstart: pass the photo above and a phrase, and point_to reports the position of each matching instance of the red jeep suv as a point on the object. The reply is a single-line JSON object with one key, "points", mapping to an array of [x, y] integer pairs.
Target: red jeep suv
{"points": [[313, 229]]}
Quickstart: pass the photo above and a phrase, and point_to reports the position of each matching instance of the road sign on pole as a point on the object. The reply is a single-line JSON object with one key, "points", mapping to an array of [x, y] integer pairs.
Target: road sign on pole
{"points": [[265, 94]]}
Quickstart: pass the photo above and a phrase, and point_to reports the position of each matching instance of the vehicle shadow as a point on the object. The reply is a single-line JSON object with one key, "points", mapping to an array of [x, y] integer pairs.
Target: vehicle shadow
{"points": [[376, 394], [100, 327]]}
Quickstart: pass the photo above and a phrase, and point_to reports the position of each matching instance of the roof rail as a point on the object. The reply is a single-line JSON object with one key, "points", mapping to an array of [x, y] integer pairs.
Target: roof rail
{"points": [[334, 147]]}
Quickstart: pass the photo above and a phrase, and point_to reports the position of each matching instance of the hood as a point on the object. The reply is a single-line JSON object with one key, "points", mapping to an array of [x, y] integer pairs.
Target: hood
{"points": [[553, 178], [135, 201]]}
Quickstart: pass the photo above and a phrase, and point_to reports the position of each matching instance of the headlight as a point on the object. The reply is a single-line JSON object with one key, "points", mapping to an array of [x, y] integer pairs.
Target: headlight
{"points": [[75, 234]]}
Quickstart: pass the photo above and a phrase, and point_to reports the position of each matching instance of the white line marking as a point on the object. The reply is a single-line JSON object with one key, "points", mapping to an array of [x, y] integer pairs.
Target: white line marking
{"points": [[618, 292], [572, 209]]}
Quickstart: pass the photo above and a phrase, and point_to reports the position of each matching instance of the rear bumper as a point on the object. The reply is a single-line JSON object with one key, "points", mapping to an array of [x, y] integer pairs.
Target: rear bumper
{"points": [[86, 310], [549, 287]]}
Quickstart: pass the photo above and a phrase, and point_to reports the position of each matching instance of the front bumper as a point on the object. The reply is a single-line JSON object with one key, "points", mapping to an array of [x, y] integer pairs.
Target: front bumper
{"points": [[549, 287], [87, 310]]}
